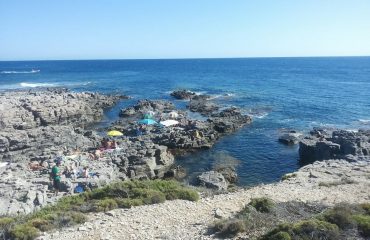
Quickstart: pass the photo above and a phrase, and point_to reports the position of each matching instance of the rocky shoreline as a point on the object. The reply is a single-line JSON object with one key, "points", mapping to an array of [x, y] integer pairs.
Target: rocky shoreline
{"points": [[39, 125]]}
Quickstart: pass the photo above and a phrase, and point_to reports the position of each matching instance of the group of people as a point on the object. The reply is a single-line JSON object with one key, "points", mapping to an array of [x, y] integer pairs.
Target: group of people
{"points": [[105, 145], [69, 171]]}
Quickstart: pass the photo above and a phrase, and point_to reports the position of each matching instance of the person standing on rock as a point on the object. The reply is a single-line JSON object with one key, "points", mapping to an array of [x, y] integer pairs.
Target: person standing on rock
{"points": [[55, 175]]}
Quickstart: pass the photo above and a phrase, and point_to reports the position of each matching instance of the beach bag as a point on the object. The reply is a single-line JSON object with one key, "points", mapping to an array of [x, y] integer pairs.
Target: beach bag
{"points": [[79, 189]]}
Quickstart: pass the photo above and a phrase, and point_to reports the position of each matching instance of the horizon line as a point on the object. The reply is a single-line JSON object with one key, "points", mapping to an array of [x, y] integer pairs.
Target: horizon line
{"points": [[185, 58]]}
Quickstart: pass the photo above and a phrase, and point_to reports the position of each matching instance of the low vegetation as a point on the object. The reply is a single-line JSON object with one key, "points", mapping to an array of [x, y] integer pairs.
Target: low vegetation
{"points": [[343, 181], [302, 221], [333, 224], [262, 204], [252, 216], [71, 210]]}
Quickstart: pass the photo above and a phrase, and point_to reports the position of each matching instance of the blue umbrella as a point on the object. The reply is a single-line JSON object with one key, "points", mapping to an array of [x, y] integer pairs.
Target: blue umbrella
{"points": [[147, 121]]}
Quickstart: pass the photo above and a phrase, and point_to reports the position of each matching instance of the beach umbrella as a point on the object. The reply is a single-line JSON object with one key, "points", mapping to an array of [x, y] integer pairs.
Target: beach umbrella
{"points": [[147, 121], [168, 123], [173, 114], [147, 116], [114, 133]]}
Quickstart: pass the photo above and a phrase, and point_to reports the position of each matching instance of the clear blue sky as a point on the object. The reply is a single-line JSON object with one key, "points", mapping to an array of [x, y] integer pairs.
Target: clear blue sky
{"points": [[110, 29]]}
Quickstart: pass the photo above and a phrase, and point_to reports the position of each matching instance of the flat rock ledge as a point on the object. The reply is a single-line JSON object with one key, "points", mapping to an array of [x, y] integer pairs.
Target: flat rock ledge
{"points": [[319, 183]]}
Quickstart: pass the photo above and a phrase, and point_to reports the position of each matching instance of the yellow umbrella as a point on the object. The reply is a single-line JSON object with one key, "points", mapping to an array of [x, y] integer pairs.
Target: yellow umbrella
{"points": [[114, 133]]}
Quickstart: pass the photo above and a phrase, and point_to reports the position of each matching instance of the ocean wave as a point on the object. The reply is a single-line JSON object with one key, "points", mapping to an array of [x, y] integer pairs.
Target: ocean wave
{"points": [[41, 85], [33, 85], [258, 112], [259, 115], [222, 96], [22, 72], [364, 121]]}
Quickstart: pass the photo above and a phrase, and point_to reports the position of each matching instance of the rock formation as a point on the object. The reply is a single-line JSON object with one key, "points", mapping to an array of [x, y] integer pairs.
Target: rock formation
{"points": [[335, 144]]}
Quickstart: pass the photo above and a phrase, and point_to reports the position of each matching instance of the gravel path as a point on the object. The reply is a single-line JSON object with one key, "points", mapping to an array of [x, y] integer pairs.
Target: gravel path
{"points": [[349, 182]]}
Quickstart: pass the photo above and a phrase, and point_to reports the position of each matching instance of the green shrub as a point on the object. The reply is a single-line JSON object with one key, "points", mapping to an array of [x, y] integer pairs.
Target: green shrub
{"points": [[280, 236], [41, 224], [316, 229], [136, 189], [313, 229], [262, 204], [341, 216], [366, 207], [68, 219], [105, 205], [363, 223], [24, 232], [128, 203], [287, 228], [184, 194], [6, 221], [230, 228]]}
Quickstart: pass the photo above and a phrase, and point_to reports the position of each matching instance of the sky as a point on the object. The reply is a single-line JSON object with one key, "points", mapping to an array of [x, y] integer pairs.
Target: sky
{"points": [[131, 29]]}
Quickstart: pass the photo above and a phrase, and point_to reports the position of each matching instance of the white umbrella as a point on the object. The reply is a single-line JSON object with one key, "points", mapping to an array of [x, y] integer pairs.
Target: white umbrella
{"points": [[168, 123], [173, 114]]}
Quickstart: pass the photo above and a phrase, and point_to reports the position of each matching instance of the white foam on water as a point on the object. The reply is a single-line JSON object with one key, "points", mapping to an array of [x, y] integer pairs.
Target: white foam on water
{"points": [[259, 115], [33, 85], [21, 72], [364, 121], [41, 85]]}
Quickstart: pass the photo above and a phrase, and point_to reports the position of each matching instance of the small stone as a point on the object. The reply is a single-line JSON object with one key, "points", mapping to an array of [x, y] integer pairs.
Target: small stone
{"points": [[109, 214], [219, 213], [82, 229]]}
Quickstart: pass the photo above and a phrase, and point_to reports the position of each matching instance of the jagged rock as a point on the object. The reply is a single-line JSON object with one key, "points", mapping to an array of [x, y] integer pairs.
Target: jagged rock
{"points": [[339, 144], [229, 120], [183, 94], [290, 138], [213, 180], [205, 108], [177, 172], [229, 174], [145, 106]]}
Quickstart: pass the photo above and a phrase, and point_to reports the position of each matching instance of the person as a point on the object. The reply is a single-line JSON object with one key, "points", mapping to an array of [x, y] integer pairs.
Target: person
{"points": [[96, 155], [70, 171], [109, 145], [139, 131], [85, 172], [114, 144], [56, 175], [104, 143]]}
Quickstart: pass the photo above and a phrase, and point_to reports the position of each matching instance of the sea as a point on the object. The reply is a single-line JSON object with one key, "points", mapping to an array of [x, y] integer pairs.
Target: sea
{"points": [[280, 94]]}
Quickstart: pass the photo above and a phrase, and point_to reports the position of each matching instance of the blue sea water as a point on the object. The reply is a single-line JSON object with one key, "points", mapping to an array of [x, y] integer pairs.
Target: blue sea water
{"points": [[279, 93]]}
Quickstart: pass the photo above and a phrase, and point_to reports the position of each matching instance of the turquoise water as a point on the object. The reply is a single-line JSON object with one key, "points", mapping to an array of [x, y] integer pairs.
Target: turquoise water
{"points": [[279, 93]]}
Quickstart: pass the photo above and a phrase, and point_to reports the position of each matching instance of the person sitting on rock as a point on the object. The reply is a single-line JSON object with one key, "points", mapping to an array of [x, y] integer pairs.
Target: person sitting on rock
{"points": [[104, 144], [70, 171], [114, 145], [85, 172], [139, 131], [96, 155]]}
